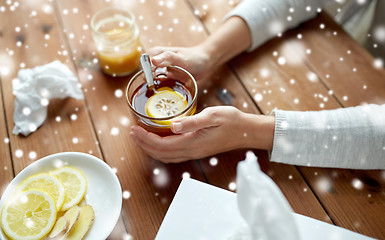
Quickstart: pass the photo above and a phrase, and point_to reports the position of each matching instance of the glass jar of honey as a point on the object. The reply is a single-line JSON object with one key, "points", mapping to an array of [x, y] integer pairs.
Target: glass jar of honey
{"points": [[116, 37]]}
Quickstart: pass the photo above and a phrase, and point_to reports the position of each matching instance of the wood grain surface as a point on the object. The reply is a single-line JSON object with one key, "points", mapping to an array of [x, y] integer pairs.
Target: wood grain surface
{"points": [[323, 69]]}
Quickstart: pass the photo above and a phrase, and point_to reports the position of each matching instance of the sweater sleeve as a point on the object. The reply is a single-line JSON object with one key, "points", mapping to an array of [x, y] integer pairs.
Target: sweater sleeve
{"points": [[268, 18], [342, 138]]}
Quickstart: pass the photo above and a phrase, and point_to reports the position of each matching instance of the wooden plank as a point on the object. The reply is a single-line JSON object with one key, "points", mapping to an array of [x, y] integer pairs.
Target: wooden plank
{"points": [[345, 67], [312, 92], [6, 169], [74, 135], [354, 199], [68, 126]]}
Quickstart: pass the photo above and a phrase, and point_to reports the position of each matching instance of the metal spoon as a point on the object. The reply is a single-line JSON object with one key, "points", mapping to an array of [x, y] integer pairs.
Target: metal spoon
{"points": [[146, 65]]}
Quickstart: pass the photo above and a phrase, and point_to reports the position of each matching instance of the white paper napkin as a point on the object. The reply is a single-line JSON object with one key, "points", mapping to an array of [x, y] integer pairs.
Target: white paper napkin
{"points": [[33, 90], [200, 211], [262, 205]]}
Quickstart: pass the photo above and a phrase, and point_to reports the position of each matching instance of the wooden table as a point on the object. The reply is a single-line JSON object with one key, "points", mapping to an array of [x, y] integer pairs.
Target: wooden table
{"points": [[330, 71]]}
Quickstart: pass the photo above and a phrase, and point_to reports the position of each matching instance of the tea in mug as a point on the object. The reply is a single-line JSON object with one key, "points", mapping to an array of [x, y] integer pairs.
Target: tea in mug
{"points": [[167, 98], [173, 95]]}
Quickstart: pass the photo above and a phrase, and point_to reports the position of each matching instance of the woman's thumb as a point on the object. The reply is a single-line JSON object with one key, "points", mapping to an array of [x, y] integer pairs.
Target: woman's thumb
{"points": [[192, 123]]}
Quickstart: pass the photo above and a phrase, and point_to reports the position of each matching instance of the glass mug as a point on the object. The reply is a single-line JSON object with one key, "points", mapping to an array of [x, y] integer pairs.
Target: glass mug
{"points": [[174, 95], [116, 36]]}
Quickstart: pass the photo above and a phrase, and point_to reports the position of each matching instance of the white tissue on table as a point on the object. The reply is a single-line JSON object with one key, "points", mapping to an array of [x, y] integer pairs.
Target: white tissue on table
{"points": [[262, 205], [33, 90]]}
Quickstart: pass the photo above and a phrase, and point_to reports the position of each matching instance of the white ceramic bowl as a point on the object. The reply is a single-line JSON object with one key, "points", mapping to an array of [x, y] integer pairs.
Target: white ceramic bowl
{"points": [[104, 192]]}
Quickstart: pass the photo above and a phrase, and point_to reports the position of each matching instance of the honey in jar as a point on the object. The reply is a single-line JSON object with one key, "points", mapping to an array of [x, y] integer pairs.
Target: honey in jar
{"points": [[116, 36]]}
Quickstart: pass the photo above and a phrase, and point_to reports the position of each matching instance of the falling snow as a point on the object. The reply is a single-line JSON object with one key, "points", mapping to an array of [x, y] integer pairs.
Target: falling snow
{"points": [[161, 178], [281, 61], [258, 97], [213, 161], [232, 186], [186, 175], [118, 93], [114, 131], [32, 155], [324, 184], [127, 236], [311, 76], [126, 194], [19, 153], [378, 63], [75, 140], [357, 184]]}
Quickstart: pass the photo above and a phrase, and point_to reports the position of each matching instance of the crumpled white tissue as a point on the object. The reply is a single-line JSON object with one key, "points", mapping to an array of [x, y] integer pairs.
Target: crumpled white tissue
{"points": [[33, 90], [262, 205]]}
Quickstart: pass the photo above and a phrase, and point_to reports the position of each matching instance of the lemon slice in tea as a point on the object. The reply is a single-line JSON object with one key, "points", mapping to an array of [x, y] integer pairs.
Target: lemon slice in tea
{"points": [[75, 185], [30, 215], [46, 183], [165, 103]]}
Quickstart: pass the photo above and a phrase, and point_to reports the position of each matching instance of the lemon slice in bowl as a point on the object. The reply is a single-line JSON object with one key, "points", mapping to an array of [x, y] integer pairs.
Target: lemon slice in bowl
{"points": [[46, 183], [30, 215], [165, 103], [75, 185]]}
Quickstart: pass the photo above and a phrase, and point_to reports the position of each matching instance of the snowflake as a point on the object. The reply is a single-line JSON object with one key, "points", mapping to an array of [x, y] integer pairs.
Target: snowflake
{"points": [[161, 178], [75, 140], [264, 72], [213, 161], [324, 185], [32, 127], [114, 131], [379, 33], [281, 61], [44, 102], [32, 155], [126, 194], [26, 111], [357, 184], [258, 97], [19, 153], [118, 93], [125, 121], [311, 76], [378, 63], [186, 175], [232, 186]]}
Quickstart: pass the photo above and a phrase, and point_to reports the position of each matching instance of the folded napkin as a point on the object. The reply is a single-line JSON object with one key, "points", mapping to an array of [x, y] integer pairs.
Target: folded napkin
{"points": [[262, 205], [33, 90]]}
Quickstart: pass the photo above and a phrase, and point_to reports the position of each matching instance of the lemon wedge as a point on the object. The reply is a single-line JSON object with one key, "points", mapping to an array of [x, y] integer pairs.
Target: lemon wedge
{"points": [[75, 185], [46, 183], [29, 216], [165, 103]]}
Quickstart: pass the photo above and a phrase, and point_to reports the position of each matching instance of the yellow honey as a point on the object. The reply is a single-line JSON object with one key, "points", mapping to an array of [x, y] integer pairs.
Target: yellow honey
{"points": [[116, 36]]}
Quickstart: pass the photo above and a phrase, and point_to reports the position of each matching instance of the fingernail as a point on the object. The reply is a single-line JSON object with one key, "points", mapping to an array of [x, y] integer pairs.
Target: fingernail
{"points": [[157, 59], [177, 127]]}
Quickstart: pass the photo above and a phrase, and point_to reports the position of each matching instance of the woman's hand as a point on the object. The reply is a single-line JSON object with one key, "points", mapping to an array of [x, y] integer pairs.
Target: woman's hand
{"points": [[212, 131], [194, 59]]}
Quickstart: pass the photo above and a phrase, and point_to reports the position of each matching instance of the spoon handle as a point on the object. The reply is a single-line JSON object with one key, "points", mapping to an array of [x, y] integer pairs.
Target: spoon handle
{"points": [[146, 65]]}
